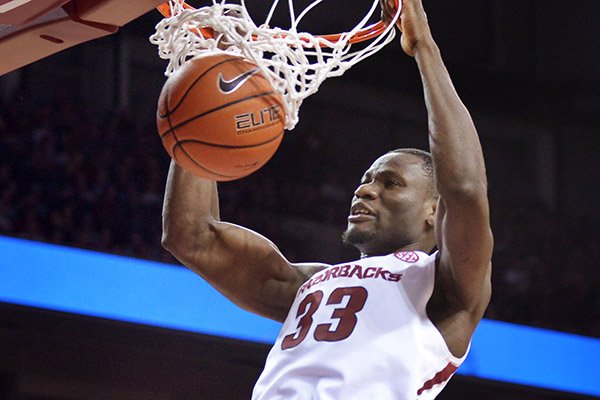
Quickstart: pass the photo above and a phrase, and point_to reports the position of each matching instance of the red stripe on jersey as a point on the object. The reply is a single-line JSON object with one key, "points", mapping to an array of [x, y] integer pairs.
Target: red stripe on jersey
{"points": [[440, 377]]}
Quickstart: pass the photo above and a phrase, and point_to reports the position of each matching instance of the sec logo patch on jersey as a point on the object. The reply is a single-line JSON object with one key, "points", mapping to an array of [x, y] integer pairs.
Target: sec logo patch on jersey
{"points": [[407, 256]]}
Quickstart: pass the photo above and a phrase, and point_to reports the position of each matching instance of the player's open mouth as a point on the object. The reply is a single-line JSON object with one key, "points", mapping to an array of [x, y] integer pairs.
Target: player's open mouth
{"points": [[360, 213]]}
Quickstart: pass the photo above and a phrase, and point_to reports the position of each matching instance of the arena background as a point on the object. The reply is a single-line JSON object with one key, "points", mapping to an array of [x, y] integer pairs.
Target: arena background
{"points": [[81, 165]]}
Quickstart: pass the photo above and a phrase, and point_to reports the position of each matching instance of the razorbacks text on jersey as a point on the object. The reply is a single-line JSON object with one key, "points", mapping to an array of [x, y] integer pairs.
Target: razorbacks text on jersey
{"points": [[359, 330]]}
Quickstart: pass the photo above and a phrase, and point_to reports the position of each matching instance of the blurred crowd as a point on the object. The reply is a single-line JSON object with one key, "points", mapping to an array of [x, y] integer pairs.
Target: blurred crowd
{"points": [[73, 176]]}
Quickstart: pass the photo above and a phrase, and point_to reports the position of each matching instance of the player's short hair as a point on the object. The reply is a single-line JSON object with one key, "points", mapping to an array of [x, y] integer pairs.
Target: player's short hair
{"points": [[427, 163]]}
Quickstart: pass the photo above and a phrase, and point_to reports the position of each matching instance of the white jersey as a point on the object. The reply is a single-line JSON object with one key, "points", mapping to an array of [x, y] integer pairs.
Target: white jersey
{"points": [[360, 331]]}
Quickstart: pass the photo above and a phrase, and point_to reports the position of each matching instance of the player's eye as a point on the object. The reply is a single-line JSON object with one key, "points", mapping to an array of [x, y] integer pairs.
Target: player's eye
{"points": [[390, 183]]}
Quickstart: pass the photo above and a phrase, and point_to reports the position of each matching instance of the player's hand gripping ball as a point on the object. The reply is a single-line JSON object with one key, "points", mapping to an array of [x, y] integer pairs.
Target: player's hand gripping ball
{"points": [[219, 117]]}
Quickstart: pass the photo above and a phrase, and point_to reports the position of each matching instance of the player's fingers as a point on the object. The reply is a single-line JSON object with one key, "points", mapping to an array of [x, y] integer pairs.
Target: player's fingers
{"points": [[388, 9], [385, 11]]}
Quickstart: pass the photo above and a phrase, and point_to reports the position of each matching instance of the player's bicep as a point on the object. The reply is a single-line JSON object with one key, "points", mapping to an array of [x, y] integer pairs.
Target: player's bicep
{"points": [[246, 267], [465, 243]]}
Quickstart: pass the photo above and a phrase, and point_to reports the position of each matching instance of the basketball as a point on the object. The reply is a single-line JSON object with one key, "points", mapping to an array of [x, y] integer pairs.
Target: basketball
{"points": [[219, 117]]}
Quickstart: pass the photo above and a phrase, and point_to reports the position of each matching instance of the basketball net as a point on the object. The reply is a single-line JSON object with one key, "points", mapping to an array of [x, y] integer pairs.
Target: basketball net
{"points": [[296, 63]]}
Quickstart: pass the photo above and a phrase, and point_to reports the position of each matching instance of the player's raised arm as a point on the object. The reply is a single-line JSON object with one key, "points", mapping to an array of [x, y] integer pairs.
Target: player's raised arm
{"points": [[241, 264], [462, 227]]}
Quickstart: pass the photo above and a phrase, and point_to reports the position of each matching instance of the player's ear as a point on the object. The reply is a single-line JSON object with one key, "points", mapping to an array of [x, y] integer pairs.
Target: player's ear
{"points": [[431, 211]]}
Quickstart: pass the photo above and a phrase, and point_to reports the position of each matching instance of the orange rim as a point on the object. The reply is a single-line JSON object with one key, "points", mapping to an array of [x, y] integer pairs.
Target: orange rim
{"points": [[165, 10], [367, 33]]}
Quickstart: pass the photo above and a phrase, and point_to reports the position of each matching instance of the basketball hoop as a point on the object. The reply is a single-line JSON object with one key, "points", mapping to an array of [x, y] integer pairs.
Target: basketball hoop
{"points": [[296, 63]]}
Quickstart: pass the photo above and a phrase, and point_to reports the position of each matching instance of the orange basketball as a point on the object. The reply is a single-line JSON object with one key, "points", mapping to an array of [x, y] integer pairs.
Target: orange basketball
{"points": [[219, 117]]}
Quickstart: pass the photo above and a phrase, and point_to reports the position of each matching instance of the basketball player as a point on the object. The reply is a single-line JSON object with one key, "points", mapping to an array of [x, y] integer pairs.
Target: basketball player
{"points": [[396, 323]]}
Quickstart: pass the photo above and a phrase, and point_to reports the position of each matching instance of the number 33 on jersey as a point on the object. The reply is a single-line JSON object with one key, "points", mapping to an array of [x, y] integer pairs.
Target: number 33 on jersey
{"points": [[353, 298]]}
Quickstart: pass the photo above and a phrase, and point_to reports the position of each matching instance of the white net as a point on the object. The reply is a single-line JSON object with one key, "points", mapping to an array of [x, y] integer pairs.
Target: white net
{"points": [[296, 63]]}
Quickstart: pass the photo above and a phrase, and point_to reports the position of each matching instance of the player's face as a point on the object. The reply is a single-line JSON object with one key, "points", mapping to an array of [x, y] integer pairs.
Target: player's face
{"points": [[392, 208]]}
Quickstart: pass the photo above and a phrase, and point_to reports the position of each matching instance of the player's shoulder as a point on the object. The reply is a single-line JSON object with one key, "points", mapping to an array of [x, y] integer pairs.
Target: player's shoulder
{"points": [[308, 269]]}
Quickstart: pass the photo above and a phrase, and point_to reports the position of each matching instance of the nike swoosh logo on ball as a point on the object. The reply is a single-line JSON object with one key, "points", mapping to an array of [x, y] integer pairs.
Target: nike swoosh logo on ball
{"points": [[229, 86]]}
